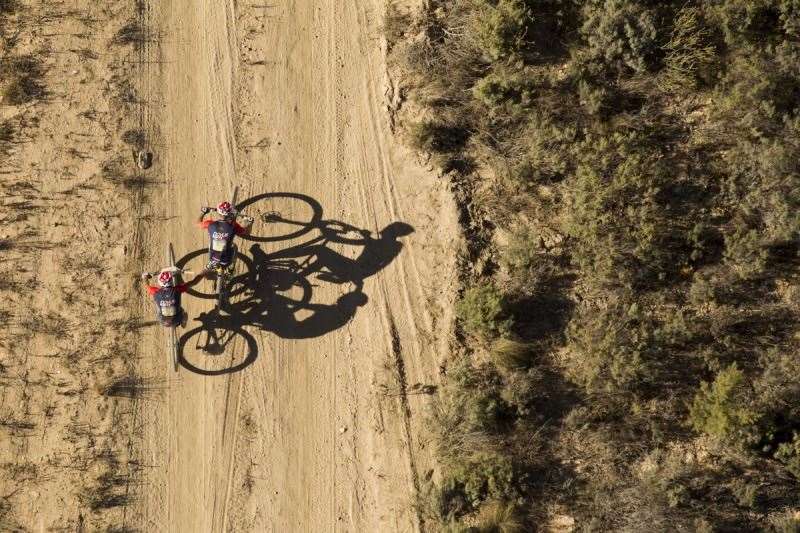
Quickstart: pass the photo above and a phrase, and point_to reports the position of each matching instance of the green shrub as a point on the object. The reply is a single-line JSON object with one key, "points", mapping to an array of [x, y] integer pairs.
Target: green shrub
{"points": [[431, 136], [764, 200], [484, 312], [789, 454], [722, 408], [777, 387], [745, 252], [524, 245], [623, 237], [473, 396], [702, 290], [546, 150], [758, 94], [609, 348], [664, 161], [621, 33], [505, 89], [485, 412], [704, 241], [486, 476], [592, 97], [500, 26], [756, 20], [744, 492], [469, 409]]}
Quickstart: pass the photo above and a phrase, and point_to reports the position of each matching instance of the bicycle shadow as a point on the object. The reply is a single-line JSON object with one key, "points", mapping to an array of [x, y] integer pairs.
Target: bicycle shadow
{"points": [[278, 291], [215, 334]]}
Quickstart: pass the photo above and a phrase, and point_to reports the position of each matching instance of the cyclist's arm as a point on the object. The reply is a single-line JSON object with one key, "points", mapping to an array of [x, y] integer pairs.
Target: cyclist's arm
{"points": [[241, 230], [204, 224], [151, 290]]}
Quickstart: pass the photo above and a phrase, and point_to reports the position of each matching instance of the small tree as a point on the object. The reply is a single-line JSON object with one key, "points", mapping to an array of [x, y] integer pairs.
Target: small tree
{"points": [[789, 454], [483, 310], [500, 26], [721, 409], [621, 34]]}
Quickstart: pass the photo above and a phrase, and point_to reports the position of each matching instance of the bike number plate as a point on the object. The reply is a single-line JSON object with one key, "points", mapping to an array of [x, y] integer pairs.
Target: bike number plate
{"points": [[169, 311], [218, 245]]}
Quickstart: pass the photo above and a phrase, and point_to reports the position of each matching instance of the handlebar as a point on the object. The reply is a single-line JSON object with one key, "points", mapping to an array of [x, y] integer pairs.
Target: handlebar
{"points": [[174, 270], [236, 215]]}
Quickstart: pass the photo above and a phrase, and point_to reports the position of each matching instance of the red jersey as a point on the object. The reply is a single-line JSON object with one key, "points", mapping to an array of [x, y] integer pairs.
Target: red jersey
{"points": [[183, 287], [236, 227]]}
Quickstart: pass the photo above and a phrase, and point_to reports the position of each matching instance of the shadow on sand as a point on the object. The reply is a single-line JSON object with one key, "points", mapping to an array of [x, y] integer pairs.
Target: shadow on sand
{"points": [[274, 292]]}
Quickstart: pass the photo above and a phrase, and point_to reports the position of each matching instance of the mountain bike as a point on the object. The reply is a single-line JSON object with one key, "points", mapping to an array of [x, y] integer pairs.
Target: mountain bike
{"points": [[224, 273], [176, 320]]}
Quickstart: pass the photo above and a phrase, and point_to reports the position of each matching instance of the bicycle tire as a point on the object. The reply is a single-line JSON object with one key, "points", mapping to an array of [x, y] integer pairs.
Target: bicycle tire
{"points": [[247, 340]]}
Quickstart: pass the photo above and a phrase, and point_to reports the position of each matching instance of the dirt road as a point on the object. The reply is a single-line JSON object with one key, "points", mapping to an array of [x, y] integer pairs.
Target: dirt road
{"points": [[298, 407]]}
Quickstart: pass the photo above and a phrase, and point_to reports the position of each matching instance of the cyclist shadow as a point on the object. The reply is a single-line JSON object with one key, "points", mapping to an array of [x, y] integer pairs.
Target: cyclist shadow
{"points": [[281, 296], [279, 292]]}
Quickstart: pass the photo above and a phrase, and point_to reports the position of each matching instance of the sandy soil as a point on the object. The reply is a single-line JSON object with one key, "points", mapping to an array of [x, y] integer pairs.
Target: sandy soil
{"points": [[69, 243], [299, 408]]}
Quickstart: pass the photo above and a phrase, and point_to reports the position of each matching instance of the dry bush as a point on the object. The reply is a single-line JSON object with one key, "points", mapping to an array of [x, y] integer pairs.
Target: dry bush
{"points": [[131, 33], [17, 427], [8, 137], [690, 53], [395, 24], [7, 522], [45, 324], [115, 171], [512, 354], [8, 6], [109, 489], [135, 138], [499, 517], [129, 387], [786, 522], [22, 80]]}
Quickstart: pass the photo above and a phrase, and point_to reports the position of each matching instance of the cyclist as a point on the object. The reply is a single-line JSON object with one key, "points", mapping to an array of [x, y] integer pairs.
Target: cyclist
{"points": [[167, 297], [221, 249]]}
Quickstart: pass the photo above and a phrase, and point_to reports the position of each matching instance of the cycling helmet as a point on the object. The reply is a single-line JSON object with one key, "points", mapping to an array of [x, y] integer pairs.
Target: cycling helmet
{"points": [[166, 279], [225, 210]]}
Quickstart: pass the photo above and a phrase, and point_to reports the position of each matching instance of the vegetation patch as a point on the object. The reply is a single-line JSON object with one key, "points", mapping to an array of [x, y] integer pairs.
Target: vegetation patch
{"points": [[21, 80], [629, 181]]}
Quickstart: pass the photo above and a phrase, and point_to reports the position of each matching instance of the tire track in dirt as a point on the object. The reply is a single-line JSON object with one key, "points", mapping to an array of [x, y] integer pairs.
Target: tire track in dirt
{"points": [[283, 97]]}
